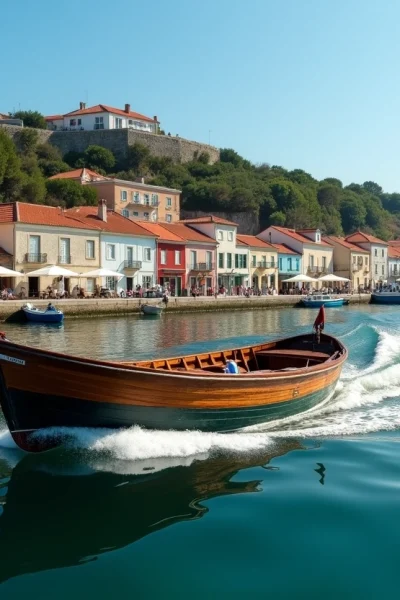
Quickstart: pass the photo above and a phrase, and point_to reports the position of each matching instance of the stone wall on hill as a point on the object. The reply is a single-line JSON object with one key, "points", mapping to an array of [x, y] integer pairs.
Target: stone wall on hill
{"points": [[118, 140], [248, 222]]}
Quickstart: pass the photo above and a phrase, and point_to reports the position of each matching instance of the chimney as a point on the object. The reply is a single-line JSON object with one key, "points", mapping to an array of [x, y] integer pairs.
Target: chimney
{"points": [[155, 118], [127, 108], [82, 105], [102, 210]]}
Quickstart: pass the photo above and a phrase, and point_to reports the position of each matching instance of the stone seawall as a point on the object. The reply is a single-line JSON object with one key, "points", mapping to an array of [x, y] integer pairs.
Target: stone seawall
{"points": [[123, 306], [118, 140]]}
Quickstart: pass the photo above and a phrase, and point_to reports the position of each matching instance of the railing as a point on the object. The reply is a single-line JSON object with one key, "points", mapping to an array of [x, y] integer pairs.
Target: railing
{"points": [[65, 259], [266, 265], [204, 266], [394, 273], [132, 264], [36, 258], [317, 269]]}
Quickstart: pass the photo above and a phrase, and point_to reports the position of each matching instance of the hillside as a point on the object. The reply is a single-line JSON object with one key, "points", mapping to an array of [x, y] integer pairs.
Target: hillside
{"points": [[272, 194]]}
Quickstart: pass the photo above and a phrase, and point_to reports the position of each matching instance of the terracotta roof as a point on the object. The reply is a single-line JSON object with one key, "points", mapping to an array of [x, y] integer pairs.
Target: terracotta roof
{"points": [[252, 240], [345, 243], [188, 233], [38, 214], [162, 232], [54, 118], [360, 237], [7, 212], [394, 243], [115, 223], [208, 219], [283, 249], [99, 108], [79, 174], [393, 252], [297, 236]]}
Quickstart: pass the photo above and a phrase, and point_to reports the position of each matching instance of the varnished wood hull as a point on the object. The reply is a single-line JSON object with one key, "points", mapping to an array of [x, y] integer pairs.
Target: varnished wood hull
{"points": [[41, 389]]}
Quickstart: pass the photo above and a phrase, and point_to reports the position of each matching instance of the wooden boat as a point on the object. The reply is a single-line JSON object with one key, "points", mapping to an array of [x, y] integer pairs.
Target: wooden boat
{"points": [[41, 389], [49, 315], [151, 309], [318, 300]]}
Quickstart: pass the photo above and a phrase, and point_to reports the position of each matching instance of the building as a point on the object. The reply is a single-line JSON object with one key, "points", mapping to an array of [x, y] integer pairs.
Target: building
{"points": [[393, 263], [289, 265], [317, 254], [378, 251], [102, 117], [81, 176], [125, 247], [232, 257], [350, 261], [262, 261]]}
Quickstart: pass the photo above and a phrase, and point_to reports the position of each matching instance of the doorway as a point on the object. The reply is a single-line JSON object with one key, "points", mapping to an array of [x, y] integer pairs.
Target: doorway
{"points": [[33, 289]]}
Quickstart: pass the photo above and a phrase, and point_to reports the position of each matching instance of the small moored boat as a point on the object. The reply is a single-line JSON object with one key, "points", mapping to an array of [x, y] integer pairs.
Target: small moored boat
{"points": [[41, 389], [151, 309], [386, 296], [49, 315], [318, 300]]}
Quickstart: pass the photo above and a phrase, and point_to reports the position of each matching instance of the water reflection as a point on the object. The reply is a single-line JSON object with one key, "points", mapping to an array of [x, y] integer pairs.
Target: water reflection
{"points": [[58, 512]]}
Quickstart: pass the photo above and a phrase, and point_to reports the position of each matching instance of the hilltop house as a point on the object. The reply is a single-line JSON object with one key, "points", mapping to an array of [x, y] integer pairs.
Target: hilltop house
{"points": [[102, 117]]}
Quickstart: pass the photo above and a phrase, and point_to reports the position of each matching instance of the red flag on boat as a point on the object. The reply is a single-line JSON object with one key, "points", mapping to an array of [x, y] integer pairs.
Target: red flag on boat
{"points": [[320, 320]]}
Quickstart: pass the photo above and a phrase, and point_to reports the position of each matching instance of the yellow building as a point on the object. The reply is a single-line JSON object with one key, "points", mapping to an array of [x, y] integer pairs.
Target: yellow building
{"points": [[262, 261], [350, 261]]}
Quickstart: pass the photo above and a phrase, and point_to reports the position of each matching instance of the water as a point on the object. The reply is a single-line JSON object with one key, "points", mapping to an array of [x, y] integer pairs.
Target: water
{"points": [[307, 507]]}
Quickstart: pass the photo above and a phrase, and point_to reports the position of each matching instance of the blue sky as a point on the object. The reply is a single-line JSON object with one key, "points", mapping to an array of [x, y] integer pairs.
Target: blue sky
{"points": [[310, 84]]}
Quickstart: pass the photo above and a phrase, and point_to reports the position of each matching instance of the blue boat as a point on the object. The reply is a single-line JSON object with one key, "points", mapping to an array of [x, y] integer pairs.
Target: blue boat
{"points": [[49, 315], [316, 301], [386, 297]]}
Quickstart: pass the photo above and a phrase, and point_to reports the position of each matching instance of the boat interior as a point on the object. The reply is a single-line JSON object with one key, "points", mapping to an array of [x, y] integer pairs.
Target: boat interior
{"points": [[282, 355]]}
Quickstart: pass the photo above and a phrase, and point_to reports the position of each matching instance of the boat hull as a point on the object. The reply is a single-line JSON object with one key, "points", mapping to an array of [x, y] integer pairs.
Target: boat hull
{"points": [[327, 303], [39, 389], [388, 298], [37, 316], [151, 310]]}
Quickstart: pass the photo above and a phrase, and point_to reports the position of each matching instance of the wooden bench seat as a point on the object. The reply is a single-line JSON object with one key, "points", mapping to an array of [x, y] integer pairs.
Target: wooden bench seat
{"points": [[291, 352]]}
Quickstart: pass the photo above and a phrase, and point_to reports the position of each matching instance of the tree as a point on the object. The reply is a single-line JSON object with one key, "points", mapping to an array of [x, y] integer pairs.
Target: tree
{"points": [[137, 158], [353, 213], [27, 140], [52, 167], [70, 193], [97, 157], [333, 181], [329, 195], [231, 156], [277, 218], [11, 177], [48, 152], [372, 187], [31, 118]]}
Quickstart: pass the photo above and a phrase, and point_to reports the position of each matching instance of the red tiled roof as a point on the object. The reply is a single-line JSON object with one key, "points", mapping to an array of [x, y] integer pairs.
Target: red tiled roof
{"points": [[78, 174], [360, 237], [252, 240], [99, 108], [283, 249], [297, 236], [345, 243], [208, 219], [393, 252], [7, 213], [54, 118], [188, 233], [115, 223], [37, 214], [162, 232], [394, 243]]}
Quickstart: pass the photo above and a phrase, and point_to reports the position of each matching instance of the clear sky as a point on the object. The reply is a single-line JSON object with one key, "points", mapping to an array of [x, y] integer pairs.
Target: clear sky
{"points": [[310, 84]]}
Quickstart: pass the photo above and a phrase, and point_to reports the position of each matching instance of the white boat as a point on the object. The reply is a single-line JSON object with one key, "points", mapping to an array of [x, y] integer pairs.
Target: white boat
{"points": [[151, 309]]}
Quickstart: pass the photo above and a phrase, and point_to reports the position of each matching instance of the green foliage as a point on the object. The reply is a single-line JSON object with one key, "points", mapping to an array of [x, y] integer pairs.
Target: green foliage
{"points": [[48, 152], [31, 118], [70, 193], [11, 177], [27, 140], [97, 157], [52, 167]]}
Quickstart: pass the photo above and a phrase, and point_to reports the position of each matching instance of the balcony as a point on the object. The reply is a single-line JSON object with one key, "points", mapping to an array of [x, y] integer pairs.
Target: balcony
{"points": [[316, 270], [201, 267], [266, 265], [36, 258], [132, 265], [65, 259]]}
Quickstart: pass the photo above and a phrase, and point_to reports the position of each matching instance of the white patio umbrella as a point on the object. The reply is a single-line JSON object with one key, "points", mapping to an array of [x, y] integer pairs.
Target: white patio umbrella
{"points": [[52, 271], [332, 277], [4, 272], [299, 278], [102, 273]]}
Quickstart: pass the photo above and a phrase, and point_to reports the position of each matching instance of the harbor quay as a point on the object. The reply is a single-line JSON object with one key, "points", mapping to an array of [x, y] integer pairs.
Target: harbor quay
{"points": [[99, 307]]}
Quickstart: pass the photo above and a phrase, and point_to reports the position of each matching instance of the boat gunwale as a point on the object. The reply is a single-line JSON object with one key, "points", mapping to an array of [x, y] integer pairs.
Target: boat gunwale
{"points": [[269, 375]]}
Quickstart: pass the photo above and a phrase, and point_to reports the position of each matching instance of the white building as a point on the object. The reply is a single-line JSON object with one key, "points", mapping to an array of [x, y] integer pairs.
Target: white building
{"points": [[102, 117], [378, 250], [232, 257]]}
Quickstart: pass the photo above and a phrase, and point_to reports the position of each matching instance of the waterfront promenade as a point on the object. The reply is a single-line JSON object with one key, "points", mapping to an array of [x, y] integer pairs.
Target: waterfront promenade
{"points": [[97, 307]]}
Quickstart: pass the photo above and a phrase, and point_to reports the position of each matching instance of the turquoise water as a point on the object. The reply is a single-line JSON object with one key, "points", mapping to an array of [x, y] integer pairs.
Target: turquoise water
{"points": [[307, 507]]}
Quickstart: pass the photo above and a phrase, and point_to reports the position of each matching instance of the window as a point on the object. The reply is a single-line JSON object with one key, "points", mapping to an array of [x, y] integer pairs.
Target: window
{"points": [[90, 285], [324, 262], [72, 122], [220, 235], [146, 216], [98, 123], [317, 237], [125, 213], [230, 236], [124, 195], [136, 197], [154, 199], [272, 261], [147, 254], [168, 202], [209, 260], [111, 283], [376, 269], [118, 123], [154, 217], [297, 264], [280, 264], [79, 121], [147, 281], [383, 253], [135, 214], [169, 218], [111, 251], [376, 251], [193, 258], [177, 257], [354, 260], [289, 264], [147, 199], [90, 249], [311, 261], [383, 269], [240, 261], [163, 257], [229, 261], [220, 260], [254, 261], [366, 261], [65, 255]]}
